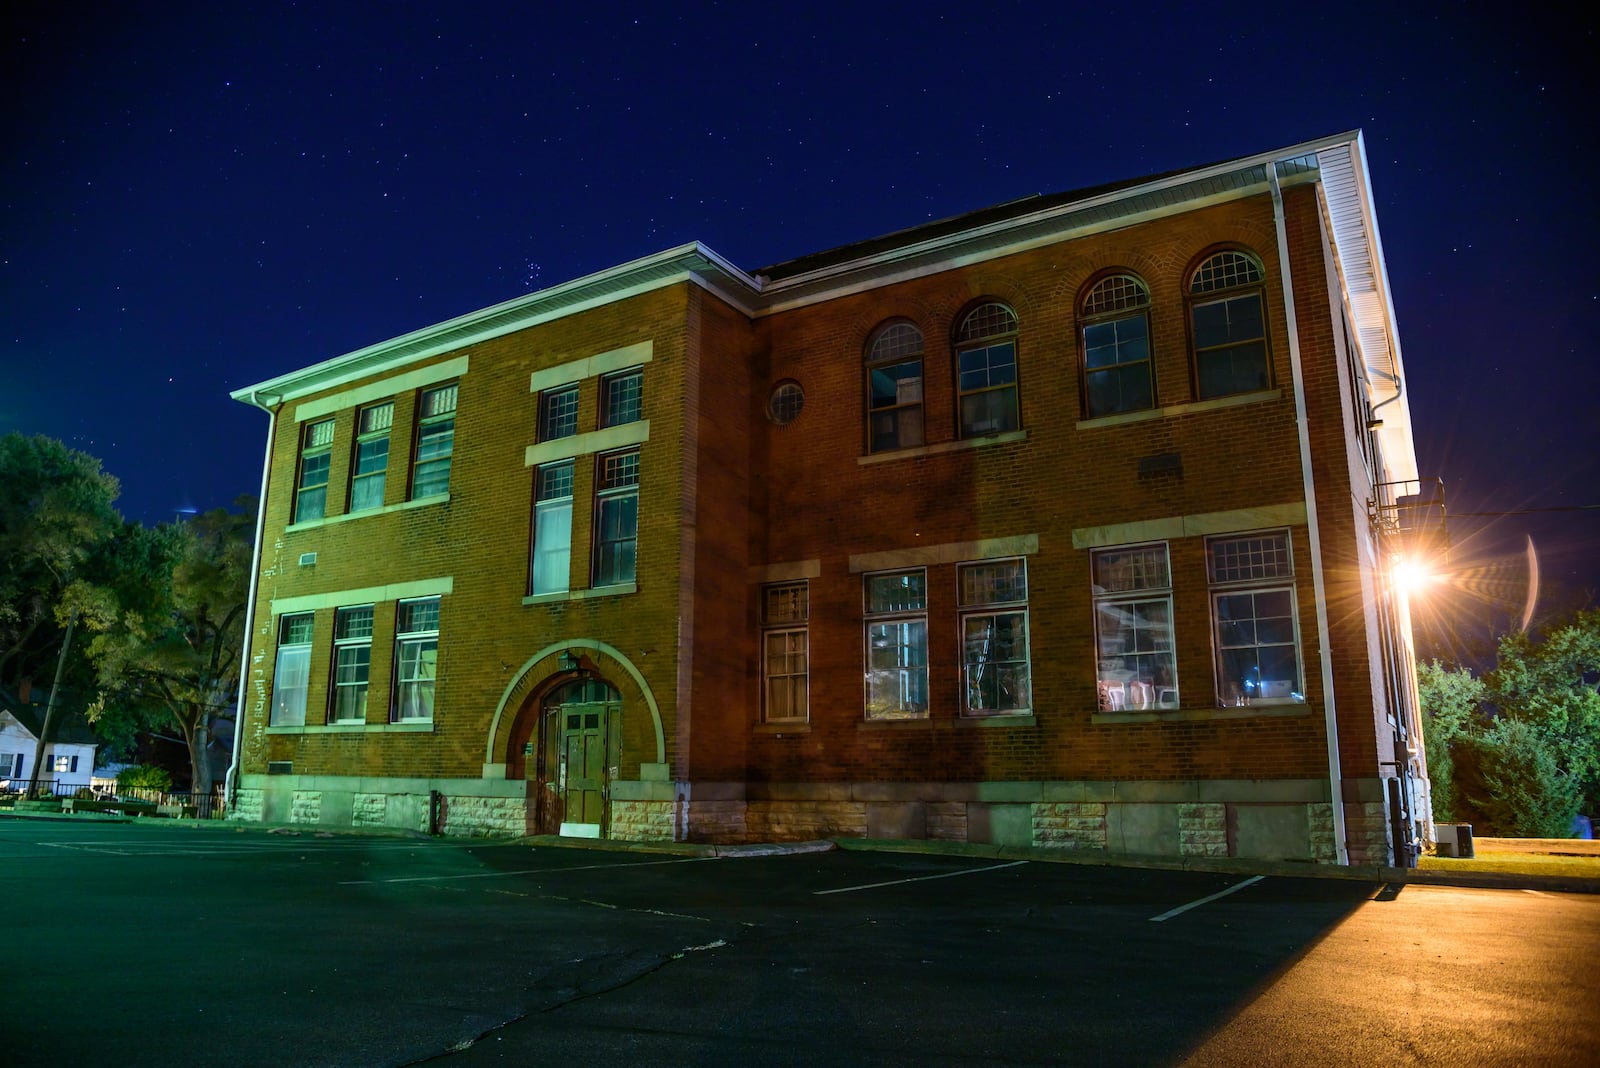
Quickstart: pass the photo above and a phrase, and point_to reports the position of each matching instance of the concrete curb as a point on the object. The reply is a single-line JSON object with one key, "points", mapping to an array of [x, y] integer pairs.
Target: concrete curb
{"points": [[682, 849], [1487, 880]]}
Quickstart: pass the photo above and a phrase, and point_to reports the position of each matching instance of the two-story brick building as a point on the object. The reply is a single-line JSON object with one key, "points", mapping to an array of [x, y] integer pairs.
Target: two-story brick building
{"points": [[1061, 522]]}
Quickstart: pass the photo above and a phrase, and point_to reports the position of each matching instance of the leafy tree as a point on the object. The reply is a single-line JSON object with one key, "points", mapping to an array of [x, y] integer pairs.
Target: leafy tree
{"points": [[55, 513], [1452, 701], [1511, 783], [170, 655], [1550, 685]]}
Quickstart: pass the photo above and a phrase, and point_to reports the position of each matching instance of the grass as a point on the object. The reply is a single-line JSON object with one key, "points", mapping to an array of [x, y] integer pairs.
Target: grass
{"points": [[1585, 867]]}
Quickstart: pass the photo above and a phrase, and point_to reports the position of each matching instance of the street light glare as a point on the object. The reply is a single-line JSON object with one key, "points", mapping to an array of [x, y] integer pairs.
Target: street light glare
{"points": [[1413, 575]]}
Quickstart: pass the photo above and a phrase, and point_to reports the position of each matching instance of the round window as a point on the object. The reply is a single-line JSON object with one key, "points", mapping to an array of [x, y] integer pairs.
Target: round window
{"points": [[785, 403]]}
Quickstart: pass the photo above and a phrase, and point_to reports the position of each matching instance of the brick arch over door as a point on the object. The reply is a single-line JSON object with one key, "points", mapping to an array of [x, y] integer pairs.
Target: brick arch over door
{"points": [[551, 652]]}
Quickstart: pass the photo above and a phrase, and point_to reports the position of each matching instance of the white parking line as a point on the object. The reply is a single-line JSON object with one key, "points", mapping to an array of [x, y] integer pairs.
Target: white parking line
{"points": [[917, 879], [524, 871], [1205, 900]]}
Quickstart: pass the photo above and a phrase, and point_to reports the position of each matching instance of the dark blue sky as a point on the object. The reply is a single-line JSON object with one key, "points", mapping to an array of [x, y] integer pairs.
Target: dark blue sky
{"points": [[197, 197]]}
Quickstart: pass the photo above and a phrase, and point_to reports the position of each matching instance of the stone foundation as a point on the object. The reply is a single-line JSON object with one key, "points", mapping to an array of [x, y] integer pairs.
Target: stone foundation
{"points": [[1269, 819], [483, 817], [642, 821]]}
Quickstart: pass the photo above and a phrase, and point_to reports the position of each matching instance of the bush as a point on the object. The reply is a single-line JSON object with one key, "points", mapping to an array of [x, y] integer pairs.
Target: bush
{"points": [[144, 777], [1509, 781]]}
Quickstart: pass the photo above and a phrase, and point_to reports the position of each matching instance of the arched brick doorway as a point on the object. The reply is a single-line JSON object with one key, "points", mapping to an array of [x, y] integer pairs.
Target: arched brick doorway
{"points": [[565, 742]]}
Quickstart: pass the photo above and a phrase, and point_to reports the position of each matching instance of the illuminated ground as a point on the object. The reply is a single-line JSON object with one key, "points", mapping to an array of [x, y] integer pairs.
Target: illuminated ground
{"points": [[161, 944]]}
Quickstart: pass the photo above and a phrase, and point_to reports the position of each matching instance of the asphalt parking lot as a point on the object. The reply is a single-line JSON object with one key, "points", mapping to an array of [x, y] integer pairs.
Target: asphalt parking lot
{"points": [[157, 944]]}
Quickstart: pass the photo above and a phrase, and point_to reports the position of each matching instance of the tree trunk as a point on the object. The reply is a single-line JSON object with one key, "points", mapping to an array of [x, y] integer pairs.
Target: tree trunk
{"points": [[199, 741], [50, 710]]}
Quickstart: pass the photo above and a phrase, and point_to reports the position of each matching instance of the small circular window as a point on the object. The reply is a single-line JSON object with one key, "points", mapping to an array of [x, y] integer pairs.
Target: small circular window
{"points": [[785, 403]]}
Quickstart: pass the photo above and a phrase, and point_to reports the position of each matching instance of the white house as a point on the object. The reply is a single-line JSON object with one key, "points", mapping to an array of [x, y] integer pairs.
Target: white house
{"points": [[68, 760]]}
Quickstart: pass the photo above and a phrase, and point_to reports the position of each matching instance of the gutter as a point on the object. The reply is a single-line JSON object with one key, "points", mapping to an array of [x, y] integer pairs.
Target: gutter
{"points": [[1318, 581], [230, 781]]}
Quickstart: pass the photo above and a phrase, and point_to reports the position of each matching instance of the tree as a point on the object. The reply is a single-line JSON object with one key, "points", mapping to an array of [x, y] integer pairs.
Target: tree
{"points": [[171, 655], [1550, 684], [1512, 784], [1518, 751], [55, 513], [1452, 707]]}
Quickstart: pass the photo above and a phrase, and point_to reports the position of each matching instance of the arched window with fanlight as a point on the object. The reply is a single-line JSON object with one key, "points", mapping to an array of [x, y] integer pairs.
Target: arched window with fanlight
{"points": [[894, 387], [986, 370], [1117, 377], [1228, 327]]}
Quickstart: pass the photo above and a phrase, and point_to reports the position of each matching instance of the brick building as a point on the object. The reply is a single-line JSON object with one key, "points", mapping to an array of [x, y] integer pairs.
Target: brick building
{"points": [[1064, 522]]}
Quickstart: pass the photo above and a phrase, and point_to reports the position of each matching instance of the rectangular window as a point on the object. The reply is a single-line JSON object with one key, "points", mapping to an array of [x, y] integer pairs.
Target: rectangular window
{"points": [[416, 659], [371, 463], [896, 620], [352, 663], [994, 637], [292, 674], [622, 397], [11, 765], [551, 565], [785, 610], [1253, 610], [1136, 665], [1230, 346], [316, 456], [436, 435], [988, 387], [616, 525], [558, 413]]}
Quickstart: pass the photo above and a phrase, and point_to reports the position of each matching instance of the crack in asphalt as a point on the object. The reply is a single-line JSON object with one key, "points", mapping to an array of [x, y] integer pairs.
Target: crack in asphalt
{"points": [[629, 969]]}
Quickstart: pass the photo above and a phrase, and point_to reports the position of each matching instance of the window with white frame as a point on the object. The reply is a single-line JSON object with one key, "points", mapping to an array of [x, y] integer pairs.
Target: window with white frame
{"points": [[371, 464], [1229, 330], [316, 457], [785, 610], [1136, 667], [11, 765], [622, 397], [550, 568], [352, 664], [986, 370], [616, 510], [291, 675], [416, 659], [65, 764], [1116, 346], [1253, 610], [436, 437], [896, 619], [894, 388], [993, 599], [558, 413]]}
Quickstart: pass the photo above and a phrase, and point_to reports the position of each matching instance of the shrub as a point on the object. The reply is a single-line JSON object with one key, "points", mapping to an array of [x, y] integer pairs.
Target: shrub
{"points": [[144, 777], [1509, 776]]}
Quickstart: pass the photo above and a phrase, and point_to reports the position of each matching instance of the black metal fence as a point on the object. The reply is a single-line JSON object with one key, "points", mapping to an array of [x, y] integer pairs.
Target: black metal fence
{"points": [[127, 800]]}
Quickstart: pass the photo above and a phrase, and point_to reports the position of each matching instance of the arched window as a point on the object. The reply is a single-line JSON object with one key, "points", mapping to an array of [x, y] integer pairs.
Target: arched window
{"points": [[894, 388], [1227, 326], [1115, 314], [986, 370]]}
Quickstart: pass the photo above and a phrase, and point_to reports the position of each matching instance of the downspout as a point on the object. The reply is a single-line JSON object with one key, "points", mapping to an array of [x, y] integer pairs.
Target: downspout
{"points": [[1319, 585], [231, 780]]}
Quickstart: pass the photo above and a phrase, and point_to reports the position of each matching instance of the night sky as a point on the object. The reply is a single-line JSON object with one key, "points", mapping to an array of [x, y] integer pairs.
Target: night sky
{"points": [[200, 197]]}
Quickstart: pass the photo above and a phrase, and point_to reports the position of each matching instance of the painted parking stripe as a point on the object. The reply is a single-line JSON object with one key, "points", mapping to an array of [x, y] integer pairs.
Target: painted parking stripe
{"points": [[918, 879], [1181, 909], [525, 871]]}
